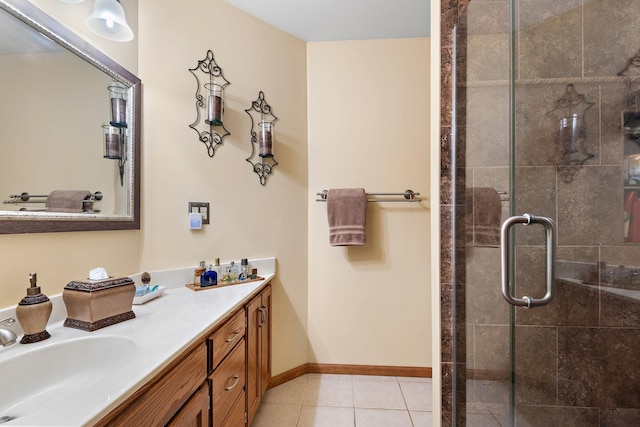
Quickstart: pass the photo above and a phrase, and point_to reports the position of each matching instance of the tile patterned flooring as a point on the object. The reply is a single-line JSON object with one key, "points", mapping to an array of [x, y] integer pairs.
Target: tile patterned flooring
{"points": [[323, 400]]}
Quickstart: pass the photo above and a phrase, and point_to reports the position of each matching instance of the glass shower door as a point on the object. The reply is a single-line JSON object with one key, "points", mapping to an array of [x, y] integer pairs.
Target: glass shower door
{"points": [[547, 106]]}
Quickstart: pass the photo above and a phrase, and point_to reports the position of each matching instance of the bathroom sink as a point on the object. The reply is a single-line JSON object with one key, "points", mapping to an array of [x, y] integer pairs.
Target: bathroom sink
{"points": [[46, 378]]}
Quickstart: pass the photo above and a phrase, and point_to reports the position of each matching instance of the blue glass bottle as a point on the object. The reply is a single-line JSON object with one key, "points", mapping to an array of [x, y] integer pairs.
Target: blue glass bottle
{"points": [[209, 277]]}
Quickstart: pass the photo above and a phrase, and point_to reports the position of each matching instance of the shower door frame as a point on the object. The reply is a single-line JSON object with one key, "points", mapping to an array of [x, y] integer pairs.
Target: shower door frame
{"points": [[452, 211]]}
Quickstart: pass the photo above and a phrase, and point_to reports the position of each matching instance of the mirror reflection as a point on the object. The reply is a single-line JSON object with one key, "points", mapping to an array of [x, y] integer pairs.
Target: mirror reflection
{"points": [[67, 129]]}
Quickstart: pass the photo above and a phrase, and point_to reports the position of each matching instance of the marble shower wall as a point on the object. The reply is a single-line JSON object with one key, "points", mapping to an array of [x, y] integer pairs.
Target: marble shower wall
{"points": [[579, 39]]}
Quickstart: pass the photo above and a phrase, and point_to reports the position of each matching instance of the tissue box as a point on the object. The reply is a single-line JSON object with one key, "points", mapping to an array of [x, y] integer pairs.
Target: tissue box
{"points": [[96, 304]]}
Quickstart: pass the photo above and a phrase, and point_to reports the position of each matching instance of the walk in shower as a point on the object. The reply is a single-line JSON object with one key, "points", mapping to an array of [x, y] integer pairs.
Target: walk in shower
{"points": [[543, 120]]}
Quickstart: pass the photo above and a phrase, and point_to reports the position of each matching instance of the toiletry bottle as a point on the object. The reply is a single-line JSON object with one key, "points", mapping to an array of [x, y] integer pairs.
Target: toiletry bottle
{"points": [[226, 278], [244, 269], [33, 313], [197, 273], [209, 277], [218, 269], [233, 276], [144, 289]]}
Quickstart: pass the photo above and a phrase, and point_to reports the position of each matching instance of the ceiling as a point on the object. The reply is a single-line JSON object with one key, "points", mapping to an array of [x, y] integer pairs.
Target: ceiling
{"points": [[330, 20]]}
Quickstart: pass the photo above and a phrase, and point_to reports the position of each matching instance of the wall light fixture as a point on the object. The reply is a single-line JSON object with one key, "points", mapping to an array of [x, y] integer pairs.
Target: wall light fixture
{"points": [[209, 103], [263, 137], [115, 133], [109, 21]]}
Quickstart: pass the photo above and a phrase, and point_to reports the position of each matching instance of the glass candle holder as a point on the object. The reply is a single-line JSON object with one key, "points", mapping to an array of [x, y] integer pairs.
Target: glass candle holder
{"points": [[118, 97], [265, 138], [215, 104], [568, 133], [111, 142]]}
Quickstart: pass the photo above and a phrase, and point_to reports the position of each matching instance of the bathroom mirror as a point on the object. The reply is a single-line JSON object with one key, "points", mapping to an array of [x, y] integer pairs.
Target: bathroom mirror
{"points": [[54, 103]]}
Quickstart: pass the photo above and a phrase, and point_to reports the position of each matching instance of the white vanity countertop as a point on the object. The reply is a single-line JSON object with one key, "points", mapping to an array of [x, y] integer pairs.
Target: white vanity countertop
{"points": [[163, 328]]}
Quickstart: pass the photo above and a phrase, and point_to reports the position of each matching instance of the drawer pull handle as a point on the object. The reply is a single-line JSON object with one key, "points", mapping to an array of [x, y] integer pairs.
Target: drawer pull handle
{"points": [[236, 333], [236, 377]]}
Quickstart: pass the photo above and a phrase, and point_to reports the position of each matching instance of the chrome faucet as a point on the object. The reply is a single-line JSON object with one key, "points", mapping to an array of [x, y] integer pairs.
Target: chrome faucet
{"points": [[7, 336]]}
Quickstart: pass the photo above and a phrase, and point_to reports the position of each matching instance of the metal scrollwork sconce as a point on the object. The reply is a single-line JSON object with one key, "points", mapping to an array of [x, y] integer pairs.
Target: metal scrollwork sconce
{"points": [[210, 100], [569, 113], [262, 135], [115, 133]]}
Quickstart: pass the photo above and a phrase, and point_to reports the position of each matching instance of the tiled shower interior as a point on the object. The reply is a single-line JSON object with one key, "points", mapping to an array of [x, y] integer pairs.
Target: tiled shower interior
{"points": [[577, 360]]}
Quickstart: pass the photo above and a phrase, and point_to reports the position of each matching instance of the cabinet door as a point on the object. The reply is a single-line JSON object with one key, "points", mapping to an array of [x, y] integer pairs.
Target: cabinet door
{"points": [[253, 390], [236, 416], [258, 350], [195, 413], [265, 342], [162, 400], [227, 383]]}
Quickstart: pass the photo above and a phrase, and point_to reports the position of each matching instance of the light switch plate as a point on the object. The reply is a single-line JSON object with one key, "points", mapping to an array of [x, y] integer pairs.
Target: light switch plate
{"points": [[202, 208]]}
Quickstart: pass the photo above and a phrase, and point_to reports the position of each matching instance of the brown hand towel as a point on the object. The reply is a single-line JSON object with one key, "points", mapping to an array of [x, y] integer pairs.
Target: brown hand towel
{"points": [[66, 201], [484, 216], [347, 212]]}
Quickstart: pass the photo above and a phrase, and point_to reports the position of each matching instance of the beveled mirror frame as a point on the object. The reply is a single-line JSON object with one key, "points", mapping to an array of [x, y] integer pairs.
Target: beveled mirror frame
{"points": [[40, 21]]}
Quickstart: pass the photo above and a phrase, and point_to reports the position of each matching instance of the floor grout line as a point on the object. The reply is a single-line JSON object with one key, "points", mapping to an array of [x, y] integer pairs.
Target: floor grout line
{"points": [[299, 406]]}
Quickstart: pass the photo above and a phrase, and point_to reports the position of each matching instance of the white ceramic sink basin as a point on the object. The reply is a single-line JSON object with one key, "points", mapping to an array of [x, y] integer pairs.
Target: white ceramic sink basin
{"points": [[43, 379]]}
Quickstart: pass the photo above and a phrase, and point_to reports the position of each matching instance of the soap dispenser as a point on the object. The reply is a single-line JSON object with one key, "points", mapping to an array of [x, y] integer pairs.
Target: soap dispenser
{"points": [[33, 313]]}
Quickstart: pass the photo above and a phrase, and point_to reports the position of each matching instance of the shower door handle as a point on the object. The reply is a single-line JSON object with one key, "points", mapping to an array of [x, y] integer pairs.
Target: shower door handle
{"points": [[550, 231]]}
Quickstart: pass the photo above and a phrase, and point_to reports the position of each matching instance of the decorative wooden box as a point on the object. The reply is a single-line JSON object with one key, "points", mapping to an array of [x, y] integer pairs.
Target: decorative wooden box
{"points": [[96, 304]]}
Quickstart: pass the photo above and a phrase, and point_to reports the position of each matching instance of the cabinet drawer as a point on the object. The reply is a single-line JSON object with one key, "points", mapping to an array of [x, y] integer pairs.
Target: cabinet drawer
{"points": [[236, 416], [227, 383], [161, 400], [224, 339], [195, 412]]}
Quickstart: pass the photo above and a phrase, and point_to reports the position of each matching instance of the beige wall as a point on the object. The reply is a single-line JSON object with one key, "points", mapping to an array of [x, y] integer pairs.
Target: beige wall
{"points": [[61, 257], [361, 305], [369, 127], [248, 220]]}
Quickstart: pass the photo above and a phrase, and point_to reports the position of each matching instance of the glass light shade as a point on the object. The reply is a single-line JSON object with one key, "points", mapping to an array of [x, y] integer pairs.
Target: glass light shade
{"points": [[108, 20], [72, 1]]}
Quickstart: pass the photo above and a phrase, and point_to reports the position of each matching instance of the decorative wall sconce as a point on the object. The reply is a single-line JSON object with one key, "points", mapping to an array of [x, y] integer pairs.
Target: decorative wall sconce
{"points": [[109, 21], [262, 135], [115, 133], [210, 99], [569, 113]]}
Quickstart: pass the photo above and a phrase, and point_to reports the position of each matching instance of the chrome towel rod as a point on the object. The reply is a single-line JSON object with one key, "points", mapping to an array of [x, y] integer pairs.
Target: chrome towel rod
{"points": [[26, 198], [407, 196]]}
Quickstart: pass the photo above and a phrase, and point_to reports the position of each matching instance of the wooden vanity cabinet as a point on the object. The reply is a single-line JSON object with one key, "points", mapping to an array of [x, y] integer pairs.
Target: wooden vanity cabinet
{"points": [[227, 361], [237, 415], [217, 382], [258, 350], [194, 413], [164, 397]]}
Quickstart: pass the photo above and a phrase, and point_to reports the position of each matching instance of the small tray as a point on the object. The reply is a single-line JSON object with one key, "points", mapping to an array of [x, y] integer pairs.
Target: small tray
{"points": [[148, 297], [222, 285]]}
